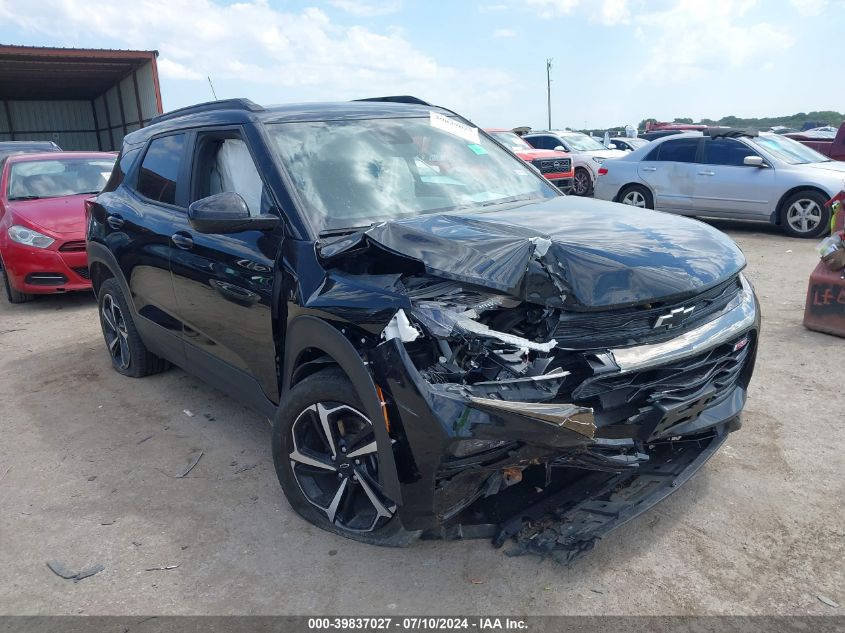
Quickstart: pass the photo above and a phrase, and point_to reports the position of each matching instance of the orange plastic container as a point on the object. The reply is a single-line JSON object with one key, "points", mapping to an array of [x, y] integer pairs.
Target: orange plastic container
{"points": [[825, 307]]}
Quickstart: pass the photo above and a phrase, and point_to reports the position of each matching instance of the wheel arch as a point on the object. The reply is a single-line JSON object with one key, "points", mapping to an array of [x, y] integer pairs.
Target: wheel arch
{"points": [[777, 216], [99, 273], [312, 344], [632, 183], [101, 261]]}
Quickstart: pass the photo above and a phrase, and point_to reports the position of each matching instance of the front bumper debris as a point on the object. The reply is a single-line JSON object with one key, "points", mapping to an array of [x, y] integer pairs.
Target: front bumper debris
{"points": [[568, 523], [557, 460]]}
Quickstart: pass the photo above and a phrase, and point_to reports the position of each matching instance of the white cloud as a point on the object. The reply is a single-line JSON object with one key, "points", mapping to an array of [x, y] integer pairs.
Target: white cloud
{"points": [[809, 7], [612, 12], [367, 9], [174, 70], [289, 53], [691, 39], [504, 33], [552, 8]]}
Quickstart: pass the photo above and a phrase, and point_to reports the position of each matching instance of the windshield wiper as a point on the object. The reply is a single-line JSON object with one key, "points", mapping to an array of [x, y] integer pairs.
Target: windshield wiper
{"points": [[25, 198], [521, 198], [342, 231]]}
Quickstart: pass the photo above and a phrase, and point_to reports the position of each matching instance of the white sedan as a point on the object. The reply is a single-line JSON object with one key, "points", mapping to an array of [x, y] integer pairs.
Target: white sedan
{"points": [[728, 174]]}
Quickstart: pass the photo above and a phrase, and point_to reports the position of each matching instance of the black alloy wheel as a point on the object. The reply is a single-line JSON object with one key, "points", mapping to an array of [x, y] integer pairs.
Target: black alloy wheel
{"points": [[326, 455], [115, 332], [334, 459]]}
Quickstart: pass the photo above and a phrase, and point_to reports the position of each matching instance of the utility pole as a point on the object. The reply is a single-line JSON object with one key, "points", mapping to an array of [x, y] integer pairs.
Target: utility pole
{"points": [[549, 89]]}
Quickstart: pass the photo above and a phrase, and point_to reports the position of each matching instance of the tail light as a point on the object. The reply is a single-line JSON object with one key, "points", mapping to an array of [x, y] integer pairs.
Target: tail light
{"points": [[89, 208], [602, 171]]}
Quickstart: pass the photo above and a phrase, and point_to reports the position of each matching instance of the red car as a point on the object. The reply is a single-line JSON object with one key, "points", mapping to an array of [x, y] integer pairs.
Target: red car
{"points": [[42, 220], [554, 165]]}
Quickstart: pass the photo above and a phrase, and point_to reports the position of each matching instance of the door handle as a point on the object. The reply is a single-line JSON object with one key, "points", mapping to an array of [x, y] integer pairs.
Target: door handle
{"points": [[182, 240], [114, 221], [707, 173], [649, 168], [235, 293]]}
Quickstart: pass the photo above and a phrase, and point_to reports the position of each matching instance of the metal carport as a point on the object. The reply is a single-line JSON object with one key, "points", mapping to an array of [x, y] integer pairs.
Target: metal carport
{"points": [[83, 99]]}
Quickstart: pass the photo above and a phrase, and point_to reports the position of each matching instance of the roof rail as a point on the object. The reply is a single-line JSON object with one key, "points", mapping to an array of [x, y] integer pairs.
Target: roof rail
{"points": [[729, 132], [209, 106], [398, 99]]}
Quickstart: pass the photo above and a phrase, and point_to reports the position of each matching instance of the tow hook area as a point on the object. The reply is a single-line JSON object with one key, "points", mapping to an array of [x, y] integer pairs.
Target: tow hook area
{"points": [[567, 524]]}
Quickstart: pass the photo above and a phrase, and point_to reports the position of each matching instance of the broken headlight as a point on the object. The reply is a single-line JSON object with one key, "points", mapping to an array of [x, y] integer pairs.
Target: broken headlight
{"points": [[472, 337]]}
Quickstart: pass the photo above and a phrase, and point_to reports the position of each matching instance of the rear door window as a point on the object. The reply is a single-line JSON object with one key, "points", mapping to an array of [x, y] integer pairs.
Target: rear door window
{"points": [[682, 150], [158, 177]]}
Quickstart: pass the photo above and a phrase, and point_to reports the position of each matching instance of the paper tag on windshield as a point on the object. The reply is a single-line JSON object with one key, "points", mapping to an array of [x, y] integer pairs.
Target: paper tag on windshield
{"points": [[447, 124]]}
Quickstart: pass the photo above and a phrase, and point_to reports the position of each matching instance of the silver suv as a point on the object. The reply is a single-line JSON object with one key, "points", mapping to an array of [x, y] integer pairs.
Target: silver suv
{"points": [[728, 174]]}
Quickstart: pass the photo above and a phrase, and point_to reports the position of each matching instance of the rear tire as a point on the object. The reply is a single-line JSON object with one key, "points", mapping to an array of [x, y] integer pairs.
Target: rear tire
{"points": [[129, 355], [582, 184], [636, 196], [803, 214], [13, 294], [333, 483]]}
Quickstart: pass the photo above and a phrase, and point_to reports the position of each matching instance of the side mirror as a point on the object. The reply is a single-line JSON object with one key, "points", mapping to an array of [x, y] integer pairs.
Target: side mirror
{"points": [[753, 161], [560, 148], [612, 146], [227, 212]]}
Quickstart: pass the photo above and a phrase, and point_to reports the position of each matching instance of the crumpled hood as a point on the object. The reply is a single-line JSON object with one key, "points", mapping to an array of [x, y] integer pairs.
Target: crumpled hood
{"points": [[566, 251]]}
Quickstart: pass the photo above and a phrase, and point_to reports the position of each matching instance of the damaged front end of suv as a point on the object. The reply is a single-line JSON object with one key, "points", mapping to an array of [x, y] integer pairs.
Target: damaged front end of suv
{"points": [[469, 353], [519, 409]]}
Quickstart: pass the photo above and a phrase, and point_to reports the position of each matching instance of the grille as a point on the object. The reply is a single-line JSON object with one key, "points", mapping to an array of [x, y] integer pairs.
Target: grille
{"points": [[685, 387], [635, 326], [552, 165], [73, 246], [83, 272]]}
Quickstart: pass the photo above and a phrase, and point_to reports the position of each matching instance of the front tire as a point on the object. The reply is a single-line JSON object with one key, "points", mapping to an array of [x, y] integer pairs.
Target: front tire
{"points": [[129, 356], [13, 294], [637, 196], [582, 184], [325, 453], [804, 214]]}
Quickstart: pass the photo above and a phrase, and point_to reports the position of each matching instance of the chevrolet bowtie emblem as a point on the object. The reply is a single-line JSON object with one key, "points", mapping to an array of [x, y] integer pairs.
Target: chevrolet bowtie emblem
{"points": [[674, 317]]}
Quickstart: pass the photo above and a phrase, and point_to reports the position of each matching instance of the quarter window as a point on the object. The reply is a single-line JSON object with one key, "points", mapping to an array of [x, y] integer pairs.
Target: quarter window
{"points": [[681, 150], [159, 172]]}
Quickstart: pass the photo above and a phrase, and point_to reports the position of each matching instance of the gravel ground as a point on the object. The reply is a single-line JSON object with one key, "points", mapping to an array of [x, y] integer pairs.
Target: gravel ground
{"points": [[88, 458]]}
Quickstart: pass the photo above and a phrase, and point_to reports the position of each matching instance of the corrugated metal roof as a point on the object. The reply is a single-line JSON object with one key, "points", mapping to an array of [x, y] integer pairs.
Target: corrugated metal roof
{"points": [[33, 72], [66, 49]]}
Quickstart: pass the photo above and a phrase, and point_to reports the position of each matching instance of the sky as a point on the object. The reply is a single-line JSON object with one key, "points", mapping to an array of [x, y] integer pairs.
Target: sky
{"points": [[614, 61]]}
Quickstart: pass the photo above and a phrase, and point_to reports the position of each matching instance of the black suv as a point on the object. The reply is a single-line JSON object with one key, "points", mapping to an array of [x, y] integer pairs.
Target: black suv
{"points": [[447, 345]]}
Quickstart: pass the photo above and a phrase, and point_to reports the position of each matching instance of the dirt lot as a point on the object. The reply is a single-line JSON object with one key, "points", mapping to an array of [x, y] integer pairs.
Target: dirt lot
{"points": [[88, 458]]}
